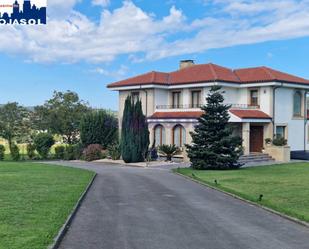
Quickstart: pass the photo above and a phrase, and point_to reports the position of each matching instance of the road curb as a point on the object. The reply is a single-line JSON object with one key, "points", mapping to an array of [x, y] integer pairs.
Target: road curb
{"points": [[66, 225], [303, 223]]}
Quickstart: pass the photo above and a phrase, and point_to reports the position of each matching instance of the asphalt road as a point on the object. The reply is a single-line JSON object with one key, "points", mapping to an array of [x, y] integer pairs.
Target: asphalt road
{"points": [[135, 208]]}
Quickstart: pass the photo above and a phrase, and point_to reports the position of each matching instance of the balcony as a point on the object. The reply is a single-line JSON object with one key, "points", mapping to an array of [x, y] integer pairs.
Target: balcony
{"points": [[198, 106]]}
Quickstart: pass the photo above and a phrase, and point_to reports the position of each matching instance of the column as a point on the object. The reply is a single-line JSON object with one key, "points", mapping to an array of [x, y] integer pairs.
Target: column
{"points": [[246, 138]]}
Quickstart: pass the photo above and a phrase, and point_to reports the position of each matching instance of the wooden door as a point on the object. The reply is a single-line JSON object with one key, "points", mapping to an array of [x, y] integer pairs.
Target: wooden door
{"points": [[256, 138]]}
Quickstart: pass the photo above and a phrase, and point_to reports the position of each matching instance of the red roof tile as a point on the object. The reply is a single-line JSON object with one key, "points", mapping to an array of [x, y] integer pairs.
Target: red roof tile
{"points": [[209, 73], [143, 79], [243, 114], [264, 74], [253, 114], [202, 73]]}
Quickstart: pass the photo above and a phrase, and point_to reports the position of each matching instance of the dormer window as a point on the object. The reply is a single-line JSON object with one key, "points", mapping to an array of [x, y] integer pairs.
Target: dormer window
{"points": [[254, 97]]}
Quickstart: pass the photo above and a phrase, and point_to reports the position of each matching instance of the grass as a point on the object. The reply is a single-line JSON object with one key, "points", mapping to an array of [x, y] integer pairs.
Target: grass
{"points": [[285, 188], [35, 201]]}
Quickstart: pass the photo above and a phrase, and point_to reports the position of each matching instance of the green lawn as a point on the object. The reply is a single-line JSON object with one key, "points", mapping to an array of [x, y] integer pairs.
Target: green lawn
{"points": [[35, 201], [285, 188]]}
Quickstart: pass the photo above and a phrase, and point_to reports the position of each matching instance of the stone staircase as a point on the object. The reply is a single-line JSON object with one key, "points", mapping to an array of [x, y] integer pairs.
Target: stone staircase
{"points": [[256, 158]]}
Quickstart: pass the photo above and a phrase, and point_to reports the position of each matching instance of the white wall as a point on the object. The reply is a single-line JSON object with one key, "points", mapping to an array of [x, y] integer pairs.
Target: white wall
{"points": [[284, 116]]}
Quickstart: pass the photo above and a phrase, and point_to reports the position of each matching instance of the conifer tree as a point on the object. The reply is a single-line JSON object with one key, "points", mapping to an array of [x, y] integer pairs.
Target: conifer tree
{"points": [[213, 145], [134, 133]]}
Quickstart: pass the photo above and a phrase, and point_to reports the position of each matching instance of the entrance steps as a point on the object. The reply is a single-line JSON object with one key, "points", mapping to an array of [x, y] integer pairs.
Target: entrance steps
{"points": [[256, 158]]}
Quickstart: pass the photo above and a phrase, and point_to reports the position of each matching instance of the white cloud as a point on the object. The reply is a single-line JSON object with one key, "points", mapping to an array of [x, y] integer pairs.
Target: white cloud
{"points": [[117, 74], [103, 3], [131, 31]]}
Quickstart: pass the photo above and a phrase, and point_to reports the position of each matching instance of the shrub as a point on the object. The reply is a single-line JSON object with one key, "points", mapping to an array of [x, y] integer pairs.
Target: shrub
{"points": [[60, 152], [168, 150], [114, 151], [2, 151], [268, 140], [153, 154], [15, 152], [92, 152], [43, 142], [73, 152], [279, 141], [99, 127], [31, 151]]}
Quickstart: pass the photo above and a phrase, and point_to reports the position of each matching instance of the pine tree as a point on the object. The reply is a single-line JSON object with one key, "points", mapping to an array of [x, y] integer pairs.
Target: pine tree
{"points": [[213, 145], [134, 133]]}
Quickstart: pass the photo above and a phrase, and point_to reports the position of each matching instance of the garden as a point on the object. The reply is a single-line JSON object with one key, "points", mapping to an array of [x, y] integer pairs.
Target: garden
{"points": [[63, 128]]}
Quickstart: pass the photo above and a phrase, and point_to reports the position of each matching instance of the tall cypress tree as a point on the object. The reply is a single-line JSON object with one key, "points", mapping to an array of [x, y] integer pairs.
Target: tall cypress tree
{"points": [[213, 145], [134, 133]]}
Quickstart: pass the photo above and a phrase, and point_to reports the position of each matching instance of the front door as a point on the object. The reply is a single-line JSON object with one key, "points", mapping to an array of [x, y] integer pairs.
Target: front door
{"points": [[256, 138]]}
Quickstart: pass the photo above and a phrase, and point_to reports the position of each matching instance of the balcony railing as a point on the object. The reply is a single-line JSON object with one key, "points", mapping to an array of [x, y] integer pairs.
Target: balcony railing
{"points": [[196, 106]]}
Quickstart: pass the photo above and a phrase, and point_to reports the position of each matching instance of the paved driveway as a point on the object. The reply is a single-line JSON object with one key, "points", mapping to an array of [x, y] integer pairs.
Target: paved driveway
{"points": [[137, 208]]}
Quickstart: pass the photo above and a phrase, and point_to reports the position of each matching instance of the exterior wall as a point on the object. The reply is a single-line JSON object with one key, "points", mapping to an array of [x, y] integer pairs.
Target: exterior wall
{"points": [[284, 117], [296, 133], [150, 105]]}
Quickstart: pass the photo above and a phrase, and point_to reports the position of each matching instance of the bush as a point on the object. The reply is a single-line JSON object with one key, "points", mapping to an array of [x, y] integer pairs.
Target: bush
{"points": [[2, 152], [43, 142], [92, 152], [114, 151], [73, 152], [31, 151], [168, 150], [99, 127], [279, 141], [15, 152], [60, 152]]}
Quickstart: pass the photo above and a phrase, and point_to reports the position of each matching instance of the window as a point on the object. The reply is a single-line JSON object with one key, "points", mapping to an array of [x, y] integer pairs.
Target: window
{"points": [[159, 135], [297, 104], [280, 131], [254, 97], [195, 99], [135, 96], [179, 136], [176, 99]]}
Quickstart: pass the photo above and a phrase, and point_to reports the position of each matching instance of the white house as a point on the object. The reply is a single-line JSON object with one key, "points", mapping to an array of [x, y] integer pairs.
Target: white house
{"points": [[265, 102]]}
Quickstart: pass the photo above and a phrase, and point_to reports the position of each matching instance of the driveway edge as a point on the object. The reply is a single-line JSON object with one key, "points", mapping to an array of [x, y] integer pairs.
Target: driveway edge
{"points": [[303, 223], [66, 225]]}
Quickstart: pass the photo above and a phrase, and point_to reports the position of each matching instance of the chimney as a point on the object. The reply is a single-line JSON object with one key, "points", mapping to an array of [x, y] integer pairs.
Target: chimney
{"points": [[186, 63]]}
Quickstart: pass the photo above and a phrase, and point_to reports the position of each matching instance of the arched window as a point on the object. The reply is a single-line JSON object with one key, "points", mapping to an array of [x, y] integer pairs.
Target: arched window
{"points": [[159, 135], [179, 136], [297, 104]]}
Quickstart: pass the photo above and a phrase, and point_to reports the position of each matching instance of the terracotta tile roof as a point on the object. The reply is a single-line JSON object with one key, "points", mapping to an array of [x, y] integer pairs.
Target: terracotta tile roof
{"points": [[251, 114], [143, 79], [243, 114], [203, 73], [209, 73], [175, 115], [265, 74]]}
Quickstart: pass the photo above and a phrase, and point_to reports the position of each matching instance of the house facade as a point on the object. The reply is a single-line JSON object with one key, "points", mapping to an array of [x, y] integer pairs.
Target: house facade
{"points": [[265, 102]]}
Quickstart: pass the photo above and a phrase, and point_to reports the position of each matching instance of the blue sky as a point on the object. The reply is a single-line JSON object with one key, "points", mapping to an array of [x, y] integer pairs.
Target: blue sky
{"points": [[88, 44]]}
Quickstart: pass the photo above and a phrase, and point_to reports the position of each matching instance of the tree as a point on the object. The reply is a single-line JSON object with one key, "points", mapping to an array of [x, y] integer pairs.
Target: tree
{"points": [[134, 133], [43, 142], [13, 122], [61, 115], [213, 145], [99, 127]]}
